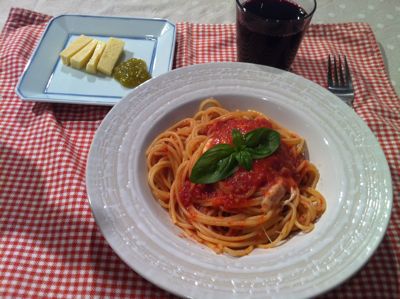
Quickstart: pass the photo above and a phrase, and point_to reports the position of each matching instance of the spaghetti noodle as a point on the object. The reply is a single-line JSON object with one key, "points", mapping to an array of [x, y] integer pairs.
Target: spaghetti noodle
{"points": [[256, 208]]}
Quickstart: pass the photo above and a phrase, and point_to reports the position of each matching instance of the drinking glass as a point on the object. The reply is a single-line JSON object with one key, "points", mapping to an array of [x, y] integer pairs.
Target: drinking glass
{"points": [[269, 32]]}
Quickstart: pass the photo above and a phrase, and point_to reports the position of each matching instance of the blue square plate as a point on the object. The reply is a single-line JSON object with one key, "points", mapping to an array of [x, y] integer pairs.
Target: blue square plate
{"points": [[46, 79]]}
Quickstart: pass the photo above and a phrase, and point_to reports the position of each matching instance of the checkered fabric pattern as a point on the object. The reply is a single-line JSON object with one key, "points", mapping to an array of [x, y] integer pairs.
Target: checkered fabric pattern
{"points": [[50, 245]]}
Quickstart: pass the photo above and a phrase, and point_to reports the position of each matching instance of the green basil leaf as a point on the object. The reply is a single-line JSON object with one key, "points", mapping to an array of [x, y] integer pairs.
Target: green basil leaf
{"points": [[238, 138], [256, 136], [211, 164], [222, 160], [219, 171], [245, 159], [266, 146]]}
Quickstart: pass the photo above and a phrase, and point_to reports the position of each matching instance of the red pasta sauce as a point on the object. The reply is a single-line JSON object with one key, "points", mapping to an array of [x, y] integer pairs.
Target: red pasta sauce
{"points": [[230, 194]]}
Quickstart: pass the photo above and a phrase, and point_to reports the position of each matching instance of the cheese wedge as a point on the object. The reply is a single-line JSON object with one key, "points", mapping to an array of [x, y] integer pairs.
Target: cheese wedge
{"points": [[91, 66], [113, 50], [73, 48], [80, 59]]}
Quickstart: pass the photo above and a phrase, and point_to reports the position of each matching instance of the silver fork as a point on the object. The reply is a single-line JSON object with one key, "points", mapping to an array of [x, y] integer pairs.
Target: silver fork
{"points": [[339, 79]]}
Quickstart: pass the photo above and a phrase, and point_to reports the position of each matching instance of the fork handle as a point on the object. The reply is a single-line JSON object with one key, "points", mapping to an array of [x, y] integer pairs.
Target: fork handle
{"points": [[348, 99]]}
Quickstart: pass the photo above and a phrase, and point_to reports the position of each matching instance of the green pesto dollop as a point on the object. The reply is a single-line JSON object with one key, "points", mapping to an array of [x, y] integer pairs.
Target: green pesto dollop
{"points": [[132, 72]]}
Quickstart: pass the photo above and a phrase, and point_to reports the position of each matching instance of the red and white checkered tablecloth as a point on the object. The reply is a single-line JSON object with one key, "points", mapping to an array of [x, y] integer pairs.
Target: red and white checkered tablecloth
{"points": [[50, 245]]}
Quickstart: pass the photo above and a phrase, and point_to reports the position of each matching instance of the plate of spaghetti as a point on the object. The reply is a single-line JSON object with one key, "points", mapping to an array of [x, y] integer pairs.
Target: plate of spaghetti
{"points": [[234, 209], [232, 180]]}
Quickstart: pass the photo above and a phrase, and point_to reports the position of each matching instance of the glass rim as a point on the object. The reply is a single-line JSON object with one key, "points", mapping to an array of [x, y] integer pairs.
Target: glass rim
{"points": [[308, 16]]}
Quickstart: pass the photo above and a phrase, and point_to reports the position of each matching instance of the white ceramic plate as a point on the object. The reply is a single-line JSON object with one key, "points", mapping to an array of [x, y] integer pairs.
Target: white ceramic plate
{"points": [[45, 78], [355, 180]]}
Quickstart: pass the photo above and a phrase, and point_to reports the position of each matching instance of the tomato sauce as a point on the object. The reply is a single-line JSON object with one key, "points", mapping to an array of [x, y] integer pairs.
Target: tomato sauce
{"points": [[230, 194], [221, 132]]}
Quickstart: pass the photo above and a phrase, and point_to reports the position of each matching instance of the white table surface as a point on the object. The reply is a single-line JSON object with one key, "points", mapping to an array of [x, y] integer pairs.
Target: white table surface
{"points": [[382, 15]]}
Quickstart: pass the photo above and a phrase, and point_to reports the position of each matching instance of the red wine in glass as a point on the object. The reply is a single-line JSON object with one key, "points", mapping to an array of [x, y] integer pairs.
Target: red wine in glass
{"points": [[269, 32]]}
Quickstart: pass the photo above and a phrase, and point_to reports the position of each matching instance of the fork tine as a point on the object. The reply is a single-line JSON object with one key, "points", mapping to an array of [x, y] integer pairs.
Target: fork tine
{"points": [[336, 72], [330, 83], [340, 67], [339, 78], [347, 70]]}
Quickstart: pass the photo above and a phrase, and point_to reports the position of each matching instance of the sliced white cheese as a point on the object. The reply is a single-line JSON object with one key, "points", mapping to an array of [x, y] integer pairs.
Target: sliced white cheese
{"points": [[91, 66], [80, 59], [111, 53], [73, 48]]}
